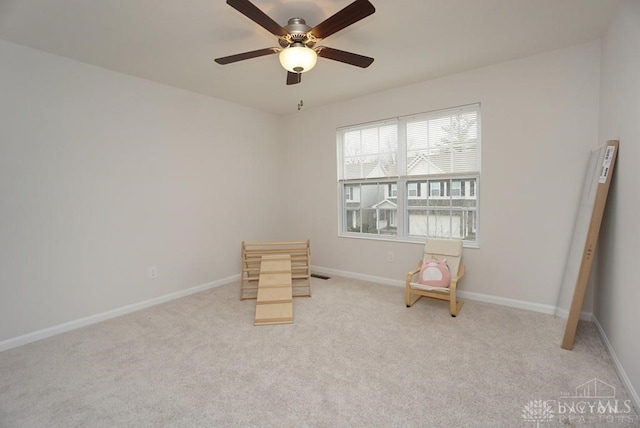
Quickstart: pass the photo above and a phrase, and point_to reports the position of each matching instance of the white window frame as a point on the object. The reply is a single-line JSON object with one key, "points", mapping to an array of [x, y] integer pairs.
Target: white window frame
{"points": [[401, 181], [457, 189]]}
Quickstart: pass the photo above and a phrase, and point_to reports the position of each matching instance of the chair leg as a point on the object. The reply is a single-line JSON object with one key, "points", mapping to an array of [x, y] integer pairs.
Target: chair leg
{"points": [[410, 298], [407, 296], [454, 303], [454, 307]]}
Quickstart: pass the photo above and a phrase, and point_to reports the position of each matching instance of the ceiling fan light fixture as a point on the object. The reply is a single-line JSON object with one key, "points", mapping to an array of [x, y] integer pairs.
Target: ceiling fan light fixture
{"points": [[298, 58]]}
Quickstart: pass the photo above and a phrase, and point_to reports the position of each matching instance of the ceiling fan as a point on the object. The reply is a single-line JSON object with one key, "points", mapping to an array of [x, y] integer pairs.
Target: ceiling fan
{"points": [[298, 50]]}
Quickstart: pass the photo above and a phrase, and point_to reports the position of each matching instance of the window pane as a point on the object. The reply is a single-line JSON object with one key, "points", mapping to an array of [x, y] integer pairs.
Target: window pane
{"points": [[457, 224], [351, 204], [353, 221], [443, 143], [370, 152], [439, 223], [467, 225], [379, 213], [417, 222]]}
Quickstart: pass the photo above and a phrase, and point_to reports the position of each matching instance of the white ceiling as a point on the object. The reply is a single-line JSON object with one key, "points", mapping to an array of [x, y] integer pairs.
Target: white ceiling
{"points": [[175, 42]]}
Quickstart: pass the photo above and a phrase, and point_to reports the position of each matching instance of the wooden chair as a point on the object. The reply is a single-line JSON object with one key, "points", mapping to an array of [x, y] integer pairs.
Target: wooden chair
{"points": [[449, 250]]}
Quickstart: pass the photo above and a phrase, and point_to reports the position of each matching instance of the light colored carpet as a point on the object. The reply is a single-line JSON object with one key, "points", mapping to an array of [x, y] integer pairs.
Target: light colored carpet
{"points": [[354, 356]]}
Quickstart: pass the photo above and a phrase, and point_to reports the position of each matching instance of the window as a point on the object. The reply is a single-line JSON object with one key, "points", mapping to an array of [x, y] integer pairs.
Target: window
{"points": [[348, 193], [413, 189], [434, 188], [393, 190], [456, 188], [411, 177]]}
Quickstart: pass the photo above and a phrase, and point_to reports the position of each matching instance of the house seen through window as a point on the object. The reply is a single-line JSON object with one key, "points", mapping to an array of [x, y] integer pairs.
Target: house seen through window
{"points": [[411, 177]]}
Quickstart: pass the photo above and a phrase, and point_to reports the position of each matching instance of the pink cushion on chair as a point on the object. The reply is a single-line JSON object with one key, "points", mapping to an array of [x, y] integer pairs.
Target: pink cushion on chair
{"points": [[435, 273]]}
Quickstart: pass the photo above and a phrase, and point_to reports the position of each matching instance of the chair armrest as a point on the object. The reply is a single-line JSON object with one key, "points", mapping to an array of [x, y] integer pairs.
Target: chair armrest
{"points": [[454, 281], [414, 272], [460, 274]]}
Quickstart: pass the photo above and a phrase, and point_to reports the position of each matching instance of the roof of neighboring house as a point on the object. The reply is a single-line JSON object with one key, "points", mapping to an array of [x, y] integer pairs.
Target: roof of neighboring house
{"points": [[386, 204]]}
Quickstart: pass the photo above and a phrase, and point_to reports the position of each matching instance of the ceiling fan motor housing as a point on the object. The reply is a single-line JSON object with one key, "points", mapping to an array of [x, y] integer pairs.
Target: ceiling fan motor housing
{"points": [[298, 33]]}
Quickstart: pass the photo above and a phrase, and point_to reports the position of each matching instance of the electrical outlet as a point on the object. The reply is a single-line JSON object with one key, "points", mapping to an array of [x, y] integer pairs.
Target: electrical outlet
{"points": [[390, 256], [153, 272]]}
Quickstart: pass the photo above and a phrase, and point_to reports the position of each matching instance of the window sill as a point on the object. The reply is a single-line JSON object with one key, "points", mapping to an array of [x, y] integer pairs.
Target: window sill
{"points": [[419, 241]]}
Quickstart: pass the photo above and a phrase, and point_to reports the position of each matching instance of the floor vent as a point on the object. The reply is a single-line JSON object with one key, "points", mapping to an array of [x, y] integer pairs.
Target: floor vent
{"points": [[315, 275]]}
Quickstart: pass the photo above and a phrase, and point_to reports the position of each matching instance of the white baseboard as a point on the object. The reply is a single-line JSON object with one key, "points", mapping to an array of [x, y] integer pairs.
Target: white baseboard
{"points": [[584, 316], [83, 322], [359, 276], [485, 298], [617, 365]]}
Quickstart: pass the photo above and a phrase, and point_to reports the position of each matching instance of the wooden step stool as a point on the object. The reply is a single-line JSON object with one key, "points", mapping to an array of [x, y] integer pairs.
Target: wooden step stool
{"points": [[274, 304]]}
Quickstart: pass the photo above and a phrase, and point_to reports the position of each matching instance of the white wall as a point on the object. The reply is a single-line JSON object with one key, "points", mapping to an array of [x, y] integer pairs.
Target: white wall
{"points": [[103, 175], [618, 287], [539, 122]]}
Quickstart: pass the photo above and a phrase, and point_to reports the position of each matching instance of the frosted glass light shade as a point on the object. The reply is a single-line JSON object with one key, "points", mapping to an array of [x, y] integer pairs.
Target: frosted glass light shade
{"points": [[298, 59]]}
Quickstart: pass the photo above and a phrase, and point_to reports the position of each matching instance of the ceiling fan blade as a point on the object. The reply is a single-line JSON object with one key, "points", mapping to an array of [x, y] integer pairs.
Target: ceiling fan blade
{"points": [[245, 55], [293, 78], [351, 14], [344, 56], [252, 12]]}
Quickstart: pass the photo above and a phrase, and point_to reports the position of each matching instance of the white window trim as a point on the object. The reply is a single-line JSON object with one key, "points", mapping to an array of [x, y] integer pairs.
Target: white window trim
{"points": [[402, 180]]}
